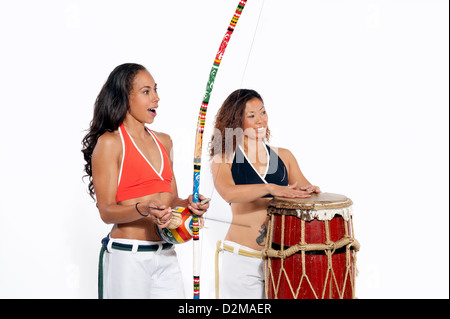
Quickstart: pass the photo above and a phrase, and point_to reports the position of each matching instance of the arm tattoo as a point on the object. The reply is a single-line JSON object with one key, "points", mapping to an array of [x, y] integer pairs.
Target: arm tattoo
{"points": [[263, 232]]}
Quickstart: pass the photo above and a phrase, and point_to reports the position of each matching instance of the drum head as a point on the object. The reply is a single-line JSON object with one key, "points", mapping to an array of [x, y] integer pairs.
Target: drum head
{"points": [[318, 201]]}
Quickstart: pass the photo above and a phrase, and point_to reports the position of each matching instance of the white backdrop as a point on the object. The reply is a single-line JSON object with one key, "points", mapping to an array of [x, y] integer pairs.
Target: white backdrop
{"points": [[356, 89]]}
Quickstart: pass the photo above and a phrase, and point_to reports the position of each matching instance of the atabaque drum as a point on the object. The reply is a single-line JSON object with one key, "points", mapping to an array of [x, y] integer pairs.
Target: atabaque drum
{"points": [[310, 250]]}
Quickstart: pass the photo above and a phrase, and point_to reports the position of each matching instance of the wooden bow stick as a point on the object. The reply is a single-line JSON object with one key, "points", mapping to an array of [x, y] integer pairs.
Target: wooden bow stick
{"points": [[199, 141]]}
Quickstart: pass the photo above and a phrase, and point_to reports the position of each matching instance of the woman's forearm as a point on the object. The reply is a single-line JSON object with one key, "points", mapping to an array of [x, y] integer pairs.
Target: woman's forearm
{"points": [[122, 214], [245, 193]]}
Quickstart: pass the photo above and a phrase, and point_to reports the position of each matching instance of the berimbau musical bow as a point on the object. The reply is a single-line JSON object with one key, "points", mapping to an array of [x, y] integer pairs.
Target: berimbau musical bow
{"points": [[199, 143]]}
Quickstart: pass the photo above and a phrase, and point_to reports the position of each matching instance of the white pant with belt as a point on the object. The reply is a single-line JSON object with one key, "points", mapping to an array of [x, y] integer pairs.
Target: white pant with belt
{"points": [[241, 276], [139, 274]]}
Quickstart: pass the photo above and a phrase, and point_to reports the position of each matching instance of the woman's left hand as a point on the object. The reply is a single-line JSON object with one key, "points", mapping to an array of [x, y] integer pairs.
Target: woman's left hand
{"points": [[198, 208], [310, 188]]}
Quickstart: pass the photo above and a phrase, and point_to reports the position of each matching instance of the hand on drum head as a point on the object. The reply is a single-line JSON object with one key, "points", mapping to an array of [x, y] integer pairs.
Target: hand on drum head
{"points": [[310, 188], [290, 191]]}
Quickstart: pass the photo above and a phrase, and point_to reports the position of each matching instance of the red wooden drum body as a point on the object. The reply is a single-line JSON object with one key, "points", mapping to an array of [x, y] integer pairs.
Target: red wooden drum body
{"points": [[310, 248]]}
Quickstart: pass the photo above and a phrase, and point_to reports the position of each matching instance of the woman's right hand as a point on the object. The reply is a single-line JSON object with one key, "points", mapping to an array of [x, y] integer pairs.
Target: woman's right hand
{"points": [[160, 214], [289, 191]]}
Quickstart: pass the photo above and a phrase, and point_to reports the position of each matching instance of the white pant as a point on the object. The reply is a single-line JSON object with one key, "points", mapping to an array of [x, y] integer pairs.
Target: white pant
{"points": [[140, 275], [241, 277]]}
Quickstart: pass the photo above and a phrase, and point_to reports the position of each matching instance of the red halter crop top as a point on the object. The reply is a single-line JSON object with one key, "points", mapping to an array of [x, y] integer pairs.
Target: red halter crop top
{"points": [[137, 176]]}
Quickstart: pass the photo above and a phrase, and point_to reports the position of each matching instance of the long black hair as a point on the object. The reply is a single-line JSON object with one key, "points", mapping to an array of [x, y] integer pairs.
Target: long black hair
{"points": [[110, 109]]}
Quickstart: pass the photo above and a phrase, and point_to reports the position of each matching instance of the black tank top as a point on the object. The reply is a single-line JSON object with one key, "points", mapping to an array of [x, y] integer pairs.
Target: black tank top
{"points": [[244, 173]]}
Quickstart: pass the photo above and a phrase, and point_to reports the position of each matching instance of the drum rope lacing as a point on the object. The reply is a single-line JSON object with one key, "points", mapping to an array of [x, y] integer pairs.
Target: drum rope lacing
{"points": [[329, 245], [329, 248]]}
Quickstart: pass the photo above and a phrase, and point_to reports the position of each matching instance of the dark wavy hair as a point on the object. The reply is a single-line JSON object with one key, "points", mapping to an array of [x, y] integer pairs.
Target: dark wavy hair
{"points": [[110, 109], [229, 118]]}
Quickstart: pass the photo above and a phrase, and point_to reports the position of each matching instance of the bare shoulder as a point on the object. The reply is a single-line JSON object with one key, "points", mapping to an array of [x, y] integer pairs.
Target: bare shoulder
{"points": [[282, 152], [108, 142], [219, 159], [165, 139], [286, 155]]}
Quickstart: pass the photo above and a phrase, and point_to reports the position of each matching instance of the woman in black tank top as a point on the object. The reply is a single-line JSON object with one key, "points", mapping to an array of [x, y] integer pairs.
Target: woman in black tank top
{"points": [[247, 173]]}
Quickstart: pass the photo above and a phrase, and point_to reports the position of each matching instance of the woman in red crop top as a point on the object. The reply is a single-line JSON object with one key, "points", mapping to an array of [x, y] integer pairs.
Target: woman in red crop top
{"points": [[130, 170]]}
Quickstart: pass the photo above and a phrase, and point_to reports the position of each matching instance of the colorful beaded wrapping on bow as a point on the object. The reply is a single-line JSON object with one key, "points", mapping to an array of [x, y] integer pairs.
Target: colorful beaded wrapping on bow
{"points": [[199, 141]]}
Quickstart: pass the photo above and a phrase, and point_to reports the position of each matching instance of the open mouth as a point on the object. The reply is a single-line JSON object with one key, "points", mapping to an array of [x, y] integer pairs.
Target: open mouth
{"points": [[152, 111]]}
